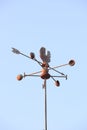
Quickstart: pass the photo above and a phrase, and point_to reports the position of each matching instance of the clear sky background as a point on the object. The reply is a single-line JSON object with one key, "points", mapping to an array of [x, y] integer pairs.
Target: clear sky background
{"points": [[61, 27]]}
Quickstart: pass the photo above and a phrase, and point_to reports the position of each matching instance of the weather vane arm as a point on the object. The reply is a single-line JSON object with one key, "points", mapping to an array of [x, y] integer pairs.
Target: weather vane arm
{"points": [[32, 56], [71, 63]]}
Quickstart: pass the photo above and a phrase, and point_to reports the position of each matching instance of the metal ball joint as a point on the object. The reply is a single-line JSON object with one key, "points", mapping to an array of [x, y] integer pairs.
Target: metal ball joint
{"points": [[45, 74], [32, 55], [57, 83], [71, 62], [19, 77]]}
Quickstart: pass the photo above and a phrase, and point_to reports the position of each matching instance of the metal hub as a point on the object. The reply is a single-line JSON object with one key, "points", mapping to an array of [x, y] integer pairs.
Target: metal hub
{"points": [[45, 74]]}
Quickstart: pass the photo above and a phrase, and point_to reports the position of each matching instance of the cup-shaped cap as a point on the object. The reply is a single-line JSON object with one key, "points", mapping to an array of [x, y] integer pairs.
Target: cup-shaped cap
{"points": [[57, 83], [71, 62], [32, 55], [19, 77]]}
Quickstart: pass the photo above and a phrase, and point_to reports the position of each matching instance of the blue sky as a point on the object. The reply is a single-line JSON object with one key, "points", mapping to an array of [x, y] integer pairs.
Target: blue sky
{"points": [[61, 27]]}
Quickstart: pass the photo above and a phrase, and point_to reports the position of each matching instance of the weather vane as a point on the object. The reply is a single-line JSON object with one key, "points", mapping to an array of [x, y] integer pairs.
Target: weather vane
{"points": [[44, 72]]}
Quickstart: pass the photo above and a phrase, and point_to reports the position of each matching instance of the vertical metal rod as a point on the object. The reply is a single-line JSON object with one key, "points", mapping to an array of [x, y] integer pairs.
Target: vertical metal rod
{"points": [[45, 104]]}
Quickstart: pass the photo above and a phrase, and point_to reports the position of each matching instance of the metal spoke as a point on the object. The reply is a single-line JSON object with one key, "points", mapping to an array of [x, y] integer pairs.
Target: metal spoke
{"points": [[32, 73], [59, 66], [56, 71], [65, 76]]}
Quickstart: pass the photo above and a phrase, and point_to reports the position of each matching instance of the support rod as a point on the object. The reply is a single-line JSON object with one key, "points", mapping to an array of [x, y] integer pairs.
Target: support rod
{"points": [[45, 104]]}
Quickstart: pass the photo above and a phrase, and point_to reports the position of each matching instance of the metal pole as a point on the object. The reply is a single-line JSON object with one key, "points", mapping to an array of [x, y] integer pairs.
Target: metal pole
{"points": [[45, 104]]}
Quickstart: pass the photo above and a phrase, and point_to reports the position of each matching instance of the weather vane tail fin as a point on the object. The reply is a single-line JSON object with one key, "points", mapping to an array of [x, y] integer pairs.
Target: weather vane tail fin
{"points": [[48, 56], [43, 55]]}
